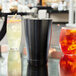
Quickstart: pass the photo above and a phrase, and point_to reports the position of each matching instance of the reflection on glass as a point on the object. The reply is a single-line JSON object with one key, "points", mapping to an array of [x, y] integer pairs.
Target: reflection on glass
{"points": [[14, 63], [68, 65], [37, 71]]}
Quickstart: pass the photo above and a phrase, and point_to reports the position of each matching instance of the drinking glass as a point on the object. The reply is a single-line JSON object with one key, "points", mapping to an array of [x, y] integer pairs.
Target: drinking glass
{"points": [[14, 32], [68, 40]]}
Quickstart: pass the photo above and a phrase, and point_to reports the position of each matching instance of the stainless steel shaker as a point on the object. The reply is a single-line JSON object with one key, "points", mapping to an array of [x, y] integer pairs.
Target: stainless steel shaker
{"points": [[37, 36]]}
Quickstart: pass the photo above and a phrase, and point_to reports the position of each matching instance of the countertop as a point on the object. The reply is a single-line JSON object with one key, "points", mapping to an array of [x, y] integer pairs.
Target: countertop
{"points": [[51, 69]]}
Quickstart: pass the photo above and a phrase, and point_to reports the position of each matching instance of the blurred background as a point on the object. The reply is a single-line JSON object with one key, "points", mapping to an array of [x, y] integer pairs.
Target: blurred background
{"points": [[57, 10]]}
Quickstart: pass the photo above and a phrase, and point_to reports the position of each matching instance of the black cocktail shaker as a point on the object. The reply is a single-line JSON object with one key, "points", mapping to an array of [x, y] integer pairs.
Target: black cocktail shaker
{"points": [[37, 35]]}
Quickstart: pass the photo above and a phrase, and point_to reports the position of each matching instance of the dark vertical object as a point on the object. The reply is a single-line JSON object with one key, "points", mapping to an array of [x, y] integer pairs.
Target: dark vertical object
{"points": [[0, 51], [41, 2], [3, 30], [37, 36]]}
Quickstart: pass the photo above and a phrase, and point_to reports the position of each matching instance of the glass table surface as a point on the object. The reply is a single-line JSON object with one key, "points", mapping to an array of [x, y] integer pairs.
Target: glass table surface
{"points": [[51, 69]]}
